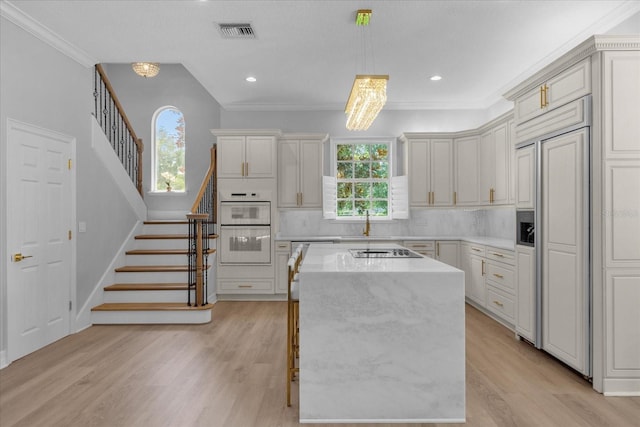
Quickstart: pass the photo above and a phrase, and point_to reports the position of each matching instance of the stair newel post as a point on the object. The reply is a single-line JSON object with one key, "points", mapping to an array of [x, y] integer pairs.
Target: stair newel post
{"points": [[197, 245]]}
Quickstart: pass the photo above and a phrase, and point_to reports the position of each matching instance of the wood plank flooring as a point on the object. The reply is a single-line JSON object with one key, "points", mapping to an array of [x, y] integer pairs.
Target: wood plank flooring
{"points": [[231, 373]]}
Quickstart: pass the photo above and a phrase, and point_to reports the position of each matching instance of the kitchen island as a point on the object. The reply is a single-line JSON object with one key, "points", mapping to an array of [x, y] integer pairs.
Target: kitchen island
{"points": [[381, 339]]}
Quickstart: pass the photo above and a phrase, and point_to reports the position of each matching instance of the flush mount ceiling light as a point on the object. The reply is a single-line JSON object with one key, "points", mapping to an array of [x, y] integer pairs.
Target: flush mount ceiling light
{"points": [[369, 91], [435, 78], [251, 79], [146, 69]]}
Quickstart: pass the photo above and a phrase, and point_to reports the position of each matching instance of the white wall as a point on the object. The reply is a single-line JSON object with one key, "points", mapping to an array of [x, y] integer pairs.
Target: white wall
{"points": [[141, 98], [44, 87]]}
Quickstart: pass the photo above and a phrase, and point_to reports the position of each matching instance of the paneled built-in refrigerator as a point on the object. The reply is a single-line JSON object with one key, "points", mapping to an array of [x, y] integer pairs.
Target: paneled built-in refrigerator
{"points": [[561, 299]]}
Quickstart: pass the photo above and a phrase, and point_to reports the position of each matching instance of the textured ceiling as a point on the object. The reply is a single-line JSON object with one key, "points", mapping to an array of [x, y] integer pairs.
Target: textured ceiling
{"points": [[306, 53]]}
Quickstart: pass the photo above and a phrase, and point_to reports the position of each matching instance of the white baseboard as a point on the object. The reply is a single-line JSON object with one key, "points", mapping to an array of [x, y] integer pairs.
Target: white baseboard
{"points": [[83, 316], [626, 387], [4, 362]]}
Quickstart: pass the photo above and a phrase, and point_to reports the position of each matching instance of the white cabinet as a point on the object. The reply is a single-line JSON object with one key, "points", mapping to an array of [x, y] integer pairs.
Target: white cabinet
{"points": [[283, 251], [525, 292], [467, 160], [447, 251], [430, 171], [495, 154], [565, 87], [423, 247], [525, 177], [245, 156], [300, 171], [473, 265]]}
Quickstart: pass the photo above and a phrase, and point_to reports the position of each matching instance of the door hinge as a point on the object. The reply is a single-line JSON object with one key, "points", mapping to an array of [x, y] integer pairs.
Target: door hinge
{"points": [[70, 234], [70, 305], [69, 165]]}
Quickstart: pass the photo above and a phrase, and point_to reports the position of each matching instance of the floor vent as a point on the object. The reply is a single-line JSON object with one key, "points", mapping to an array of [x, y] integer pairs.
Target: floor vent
{"points": [[236, 31]]}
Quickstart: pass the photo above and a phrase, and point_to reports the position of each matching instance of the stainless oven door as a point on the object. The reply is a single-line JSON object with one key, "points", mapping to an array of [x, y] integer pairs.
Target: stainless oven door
{"points": [[245, 244], [233, 213]]}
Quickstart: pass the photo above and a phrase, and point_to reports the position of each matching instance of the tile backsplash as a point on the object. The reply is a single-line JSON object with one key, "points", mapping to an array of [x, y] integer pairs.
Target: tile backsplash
{"points": [[496, 222]]}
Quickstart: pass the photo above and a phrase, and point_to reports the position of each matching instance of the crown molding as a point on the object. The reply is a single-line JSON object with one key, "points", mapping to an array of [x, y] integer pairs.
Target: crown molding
{"points": [[585, 49], [304, 135], [246, 132], [13, 14]]}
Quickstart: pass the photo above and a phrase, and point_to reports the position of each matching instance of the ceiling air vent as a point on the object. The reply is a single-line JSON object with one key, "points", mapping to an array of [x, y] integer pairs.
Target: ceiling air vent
{"points": [[236, 31]]}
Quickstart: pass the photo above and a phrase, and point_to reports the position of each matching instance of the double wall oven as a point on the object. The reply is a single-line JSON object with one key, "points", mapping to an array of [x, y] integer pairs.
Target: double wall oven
{"points": [[245, 228]]}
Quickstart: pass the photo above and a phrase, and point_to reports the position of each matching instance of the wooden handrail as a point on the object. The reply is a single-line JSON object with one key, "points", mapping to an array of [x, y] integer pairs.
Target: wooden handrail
{"points": [[205, 182], [119, 110], [116, 101]]}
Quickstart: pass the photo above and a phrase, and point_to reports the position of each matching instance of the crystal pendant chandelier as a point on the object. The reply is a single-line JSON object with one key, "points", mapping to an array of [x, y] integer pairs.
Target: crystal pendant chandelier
{"points": [[368, 93], [146, 69]]}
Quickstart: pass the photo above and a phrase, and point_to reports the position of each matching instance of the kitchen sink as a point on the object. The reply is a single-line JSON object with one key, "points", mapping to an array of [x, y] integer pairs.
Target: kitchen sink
{"points": [[384, 253]]}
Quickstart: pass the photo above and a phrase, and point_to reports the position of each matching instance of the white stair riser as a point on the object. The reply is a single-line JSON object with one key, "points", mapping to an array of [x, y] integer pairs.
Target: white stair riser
{"points": [[165, 229], [161, 243], [152, 277], [147, 296], [150, 317], [173, 259]]}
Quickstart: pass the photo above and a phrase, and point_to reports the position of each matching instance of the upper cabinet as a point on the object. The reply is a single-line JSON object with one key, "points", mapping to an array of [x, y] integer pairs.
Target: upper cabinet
{"points": [[525, 177], [300, 170], [467, 155], [495, 159], [246, 153], [565, 87], [430, 171]]}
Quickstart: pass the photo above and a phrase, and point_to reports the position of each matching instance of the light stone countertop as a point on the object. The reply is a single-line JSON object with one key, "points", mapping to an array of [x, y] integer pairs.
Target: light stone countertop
{"points": [[381, 339], [506, 244]]}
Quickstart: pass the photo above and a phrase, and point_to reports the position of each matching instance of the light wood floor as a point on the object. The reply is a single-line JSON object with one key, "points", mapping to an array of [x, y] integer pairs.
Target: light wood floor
{"points": [[231, 372]]}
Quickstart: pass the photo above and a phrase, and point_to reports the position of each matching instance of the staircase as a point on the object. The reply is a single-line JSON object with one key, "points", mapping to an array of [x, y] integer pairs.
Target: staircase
{"points": [[152, 285]]}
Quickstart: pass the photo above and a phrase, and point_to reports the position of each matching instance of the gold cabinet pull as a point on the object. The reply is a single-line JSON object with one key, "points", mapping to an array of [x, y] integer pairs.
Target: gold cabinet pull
{"points": [[499, 276], [301, 199], [497, 254], [437, 248], [19, 257], [483, 267], [546, 95], [498, 303], [541, 96], [245, 286], [476, 249], [455, 198], [246, 169]]}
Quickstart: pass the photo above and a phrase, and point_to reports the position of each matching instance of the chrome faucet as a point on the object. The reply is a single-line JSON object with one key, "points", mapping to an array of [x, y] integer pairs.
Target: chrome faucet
{"points": [[367, 226]]}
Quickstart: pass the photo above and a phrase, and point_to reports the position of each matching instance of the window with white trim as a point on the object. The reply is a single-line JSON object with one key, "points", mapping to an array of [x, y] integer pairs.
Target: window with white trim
{"points": [[363, 182], [168, 160]]}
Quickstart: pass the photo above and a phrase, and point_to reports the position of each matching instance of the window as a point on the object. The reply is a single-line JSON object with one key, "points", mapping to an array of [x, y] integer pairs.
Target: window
{"points": [[362, 179], [168, 168]]}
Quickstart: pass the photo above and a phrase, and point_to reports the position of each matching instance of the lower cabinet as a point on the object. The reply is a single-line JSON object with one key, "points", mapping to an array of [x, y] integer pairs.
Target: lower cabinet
{"points": [[447, 251], [283, 252], [423, 247], [525, 292], [489, 279]]}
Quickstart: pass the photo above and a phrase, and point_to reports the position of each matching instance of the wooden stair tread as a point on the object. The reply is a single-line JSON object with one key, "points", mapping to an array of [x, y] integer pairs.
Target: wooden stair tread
{"points": [[152, 268], [169, 236], [166, 221], [147, 287], [163, 251], [149, 306]]}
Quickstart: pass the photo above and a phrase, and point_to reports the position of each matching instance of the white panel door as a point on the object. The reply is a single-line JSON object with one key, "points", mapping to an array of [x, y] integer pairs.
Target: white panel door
{"points": [[441, 172], [310, 174], [526, 292], [288, 174], [487, 166], [564, 283], [40, 217], [501, 163], [447, 252]]}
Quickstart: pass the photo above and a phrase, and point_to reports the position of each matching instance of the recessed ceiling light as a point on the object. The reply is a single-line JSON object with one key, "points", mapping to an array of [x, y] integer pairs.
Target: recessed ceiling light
{"points": [[435, 78], [251, 79]]}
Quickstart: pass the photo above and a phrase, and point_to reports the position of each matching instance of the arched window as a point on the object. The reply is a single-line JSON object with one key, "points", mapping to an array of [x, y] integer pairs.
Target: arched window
{"points": [[168, 150]]}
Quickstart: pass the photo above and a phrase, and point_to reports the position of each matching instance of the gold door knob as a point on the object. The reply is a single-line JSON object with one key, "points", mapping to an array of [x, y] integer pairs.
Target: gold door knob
{"points": [[19, 257]]}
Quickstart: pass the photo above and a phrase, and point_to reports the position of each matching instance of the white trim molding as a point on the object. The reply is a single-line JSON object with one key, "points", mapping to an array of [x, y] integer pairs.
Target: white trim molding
{"points": [[30, 25]]}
